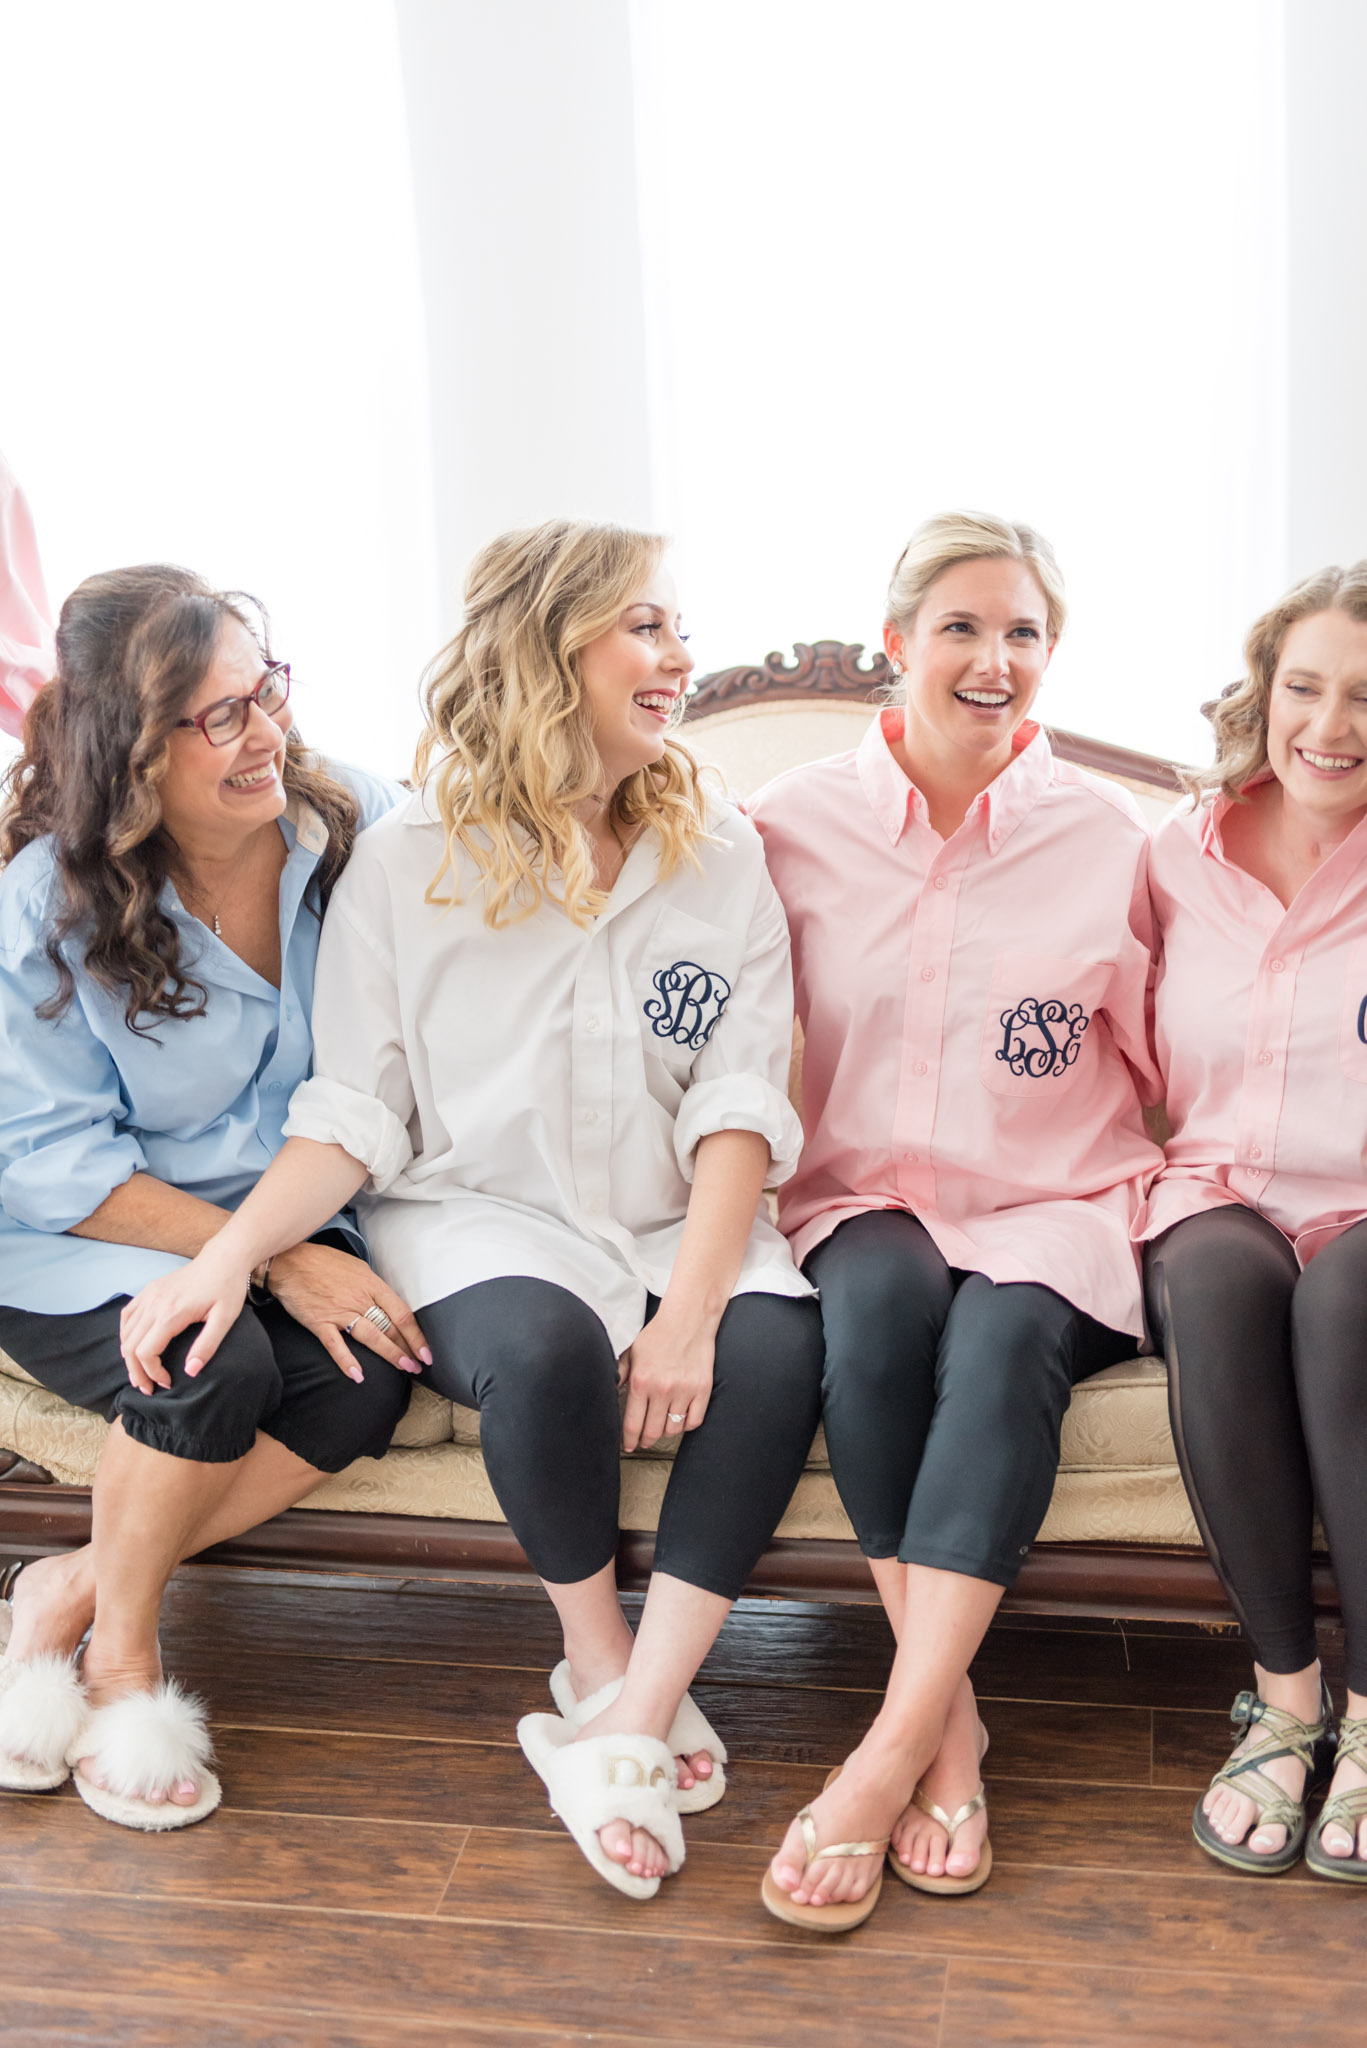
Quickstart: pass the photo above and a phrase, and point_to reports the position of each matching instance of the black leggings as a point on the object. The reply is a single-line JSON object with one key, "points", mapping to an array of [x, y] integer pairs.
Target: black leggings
{"points": [[538, 1364], [268, 1374], [1267, 1387], [944, 1396]]}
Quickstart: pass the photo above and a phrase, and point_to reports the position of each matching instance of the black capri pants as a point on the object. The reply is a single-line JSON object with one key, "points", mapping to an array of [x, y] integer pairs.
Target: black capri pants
{"points": [[944, 1396], [538, 1364], [268, 1374], [1267, 1389]]}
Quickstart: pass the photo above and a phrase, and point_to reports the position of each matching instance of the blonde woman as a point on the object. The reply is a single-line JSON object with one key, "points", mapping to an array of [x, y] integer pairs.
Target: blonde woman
{"points": [[970, 920], [1256, 1264], [551, 1037]]}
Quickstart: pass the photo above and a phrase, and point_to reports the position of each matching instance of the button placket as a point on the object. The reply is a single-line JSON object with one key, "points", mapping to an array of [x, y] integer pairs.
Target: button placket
{"points": [[1265, 1051], [932, 940], [591, 1083]]}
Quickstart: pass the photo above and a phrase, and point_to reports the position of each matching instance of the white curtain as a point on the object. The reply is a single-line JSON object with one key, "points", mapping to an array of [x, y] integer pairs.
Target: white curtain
{"points": [[902, 256], [211, 341]]}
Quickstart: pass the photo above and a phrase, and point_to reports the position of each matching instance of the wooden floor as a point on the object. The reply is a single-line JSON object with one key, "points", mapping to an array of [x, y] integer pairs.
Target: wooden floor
{"points": [[384, 1868]]}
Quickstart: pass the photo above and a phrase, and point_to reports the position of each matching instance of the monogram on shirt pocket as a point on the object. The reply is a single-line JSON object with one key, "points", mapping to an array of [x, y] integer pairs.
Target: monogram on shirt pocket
{"points": [[683, 983], [1039, 1014], [1353, 1027]]}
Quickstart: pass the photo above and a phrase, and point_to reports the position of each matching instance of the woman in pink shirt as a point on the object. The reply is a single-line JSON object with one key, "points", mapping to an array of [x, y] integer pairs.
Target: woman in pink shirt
{"points": [[970, 926], [1256, 1265]]}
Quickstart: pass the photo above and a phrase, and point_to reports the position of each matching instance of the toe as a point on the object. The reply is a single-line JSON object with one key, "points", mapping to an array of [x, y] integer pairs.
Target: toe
{"points": [[616, 1840], [185, 1793], [1336, 1840]]}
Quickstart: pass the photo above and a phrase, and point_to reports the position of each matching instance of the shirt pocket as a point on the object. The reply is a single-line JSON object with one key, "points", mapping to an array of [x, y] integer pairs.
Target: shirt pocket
{"points": [[1353, 1024], [682, 985], [1039, 1017]]}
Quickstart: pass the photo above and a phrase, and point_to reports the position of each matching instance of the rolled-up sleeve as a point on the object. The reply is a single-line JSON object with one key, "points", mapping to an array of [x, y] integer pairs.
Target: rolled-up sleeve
{"points": [[360, 1094], [739, 1080], [62, 1147]]}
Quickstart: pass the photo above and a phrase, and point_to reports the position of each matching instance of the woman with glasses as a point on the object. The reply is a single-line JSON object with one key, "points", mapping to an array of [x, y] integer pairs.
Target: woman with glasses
{"points": [[167, 847], [553, 1022]]}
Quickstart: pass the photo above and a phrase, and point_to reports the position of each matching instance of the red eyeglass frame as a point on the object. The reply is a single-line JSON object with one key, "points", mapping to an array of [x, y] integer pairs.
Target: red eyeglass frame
{"points": [[273, 669]]}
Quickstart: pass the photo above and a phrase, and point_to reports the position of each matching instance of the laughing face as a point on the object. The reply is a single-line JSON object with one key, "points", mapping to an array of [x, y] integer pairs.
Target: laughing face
{"points": [[974, 660], [1317, 717], [634, 676], [214, 797]]}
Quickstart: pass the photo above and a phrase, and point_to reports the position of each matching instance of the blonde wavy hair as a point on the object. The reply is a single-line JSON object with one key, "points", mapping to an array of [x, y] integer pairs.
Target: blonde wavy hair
{"points": [[950, 537], [508, 750], [1239, 713]]}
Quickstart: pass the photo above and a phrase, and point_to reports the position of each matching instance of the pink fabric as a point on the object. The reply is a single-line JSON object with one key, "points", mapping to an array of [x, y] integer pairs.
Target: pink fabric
{"points": [[928, 1084], [26, 656], [1260, 1016]]}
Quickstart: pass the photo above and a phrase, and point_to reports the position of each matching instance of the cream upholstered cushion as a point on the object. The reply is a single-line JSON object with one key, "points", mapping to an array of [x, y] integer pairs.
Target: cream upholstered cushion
{"points": [[1118, 1481]]}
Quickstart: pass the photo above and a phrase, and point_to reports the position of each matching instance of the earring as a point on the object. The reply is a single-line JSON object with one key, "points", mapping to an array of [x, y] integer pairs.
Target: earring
{"points": [[897, 669]]}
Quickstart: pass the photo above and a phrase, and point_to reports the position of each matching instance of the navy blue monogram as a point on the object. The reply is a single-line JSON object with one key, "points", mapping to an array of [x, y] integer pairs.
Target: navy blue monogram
{"points": [[689, 999], [1042, 1038]]}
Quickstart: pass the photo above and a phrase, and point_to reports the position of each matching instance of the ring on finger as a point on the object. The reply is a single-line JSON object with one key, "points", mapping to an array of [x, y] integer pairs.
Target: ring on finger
{"points": [[375, 1314], [670, 1416], [351, 1325]]}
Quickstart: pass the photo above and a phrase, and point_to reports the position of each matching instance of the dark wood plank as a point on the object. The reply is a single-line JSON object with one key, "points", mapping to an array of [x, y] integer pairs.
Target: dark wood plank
{"points": [[1188, 1747], [54, 1842], [60, 2019], [472, 1973], [1014, 2005], [766, 1723], [462, 1783]]}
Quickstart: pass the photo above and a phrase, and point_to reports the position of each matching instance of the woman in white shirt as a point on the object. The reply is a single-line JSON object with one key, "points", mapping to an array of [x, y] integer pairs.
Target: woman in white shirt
{"points": [[553, 1013]]}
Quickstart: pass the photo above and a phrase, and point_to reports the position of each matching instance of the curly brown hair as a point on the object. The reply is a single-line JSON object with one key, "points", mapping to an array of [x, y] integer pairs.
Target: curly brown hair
{"points": [[133, 647], [1239, 713]]}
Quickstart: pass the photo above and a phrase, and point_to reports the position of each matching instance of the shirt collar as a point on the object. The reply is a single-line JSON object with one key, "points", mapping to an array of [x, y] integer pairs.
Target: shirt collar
{"points": [[895, 800], [310, 832]]}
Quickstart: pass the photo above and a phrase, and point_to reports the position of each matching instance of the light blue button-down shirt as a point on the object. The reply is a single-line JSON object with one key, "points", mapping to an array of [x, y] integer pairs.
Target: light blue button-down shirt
{"points": [[198, 1102]]}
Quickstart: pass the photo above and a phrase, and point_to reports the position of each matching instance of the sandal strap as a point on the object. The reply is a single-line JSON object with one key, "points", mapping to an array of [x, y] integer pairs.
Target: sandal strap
{"points": [[1352, 1741], [815, 1855], [1347, 1808], [937, 1813], [1276, 1806]]}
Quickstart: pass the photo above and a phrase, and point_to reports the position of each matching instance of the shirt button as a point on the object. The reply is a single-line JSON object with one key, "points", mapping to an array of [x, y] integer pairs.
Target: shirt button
{"points": [[1264, 1059], [1276, 965], [927, 974], [590, 1116], [921, 1067], [595, 1206], [913, 1159], [941, 882], [590, 1023], [1255, 1152]]}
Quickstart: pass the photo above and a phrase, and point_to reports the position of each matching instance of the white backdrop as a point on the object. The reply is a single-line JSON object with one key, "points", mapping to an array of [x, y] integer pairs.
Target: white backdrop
{"points": [[780, 276], [211, 344], [902, 257]]}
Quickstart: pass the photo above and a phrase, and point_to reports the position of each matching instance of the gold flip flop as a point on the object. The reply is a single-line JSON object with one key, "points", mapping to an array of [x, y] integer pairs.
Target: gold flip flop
{"points": [[838, 1919], [947, 1887]]}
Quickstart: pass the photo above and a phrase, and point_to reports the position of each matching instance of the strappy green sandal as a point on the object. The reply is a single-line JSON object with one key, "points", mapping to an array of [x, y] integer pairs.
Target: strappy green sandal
{"points": [[1349, 1809], [1309, 1742]]}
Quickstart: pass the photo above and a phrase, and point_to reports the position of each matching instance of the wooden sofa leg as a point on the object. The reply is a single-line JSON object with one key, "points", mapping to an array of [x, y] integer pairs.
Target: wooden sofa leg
{"points": [[13, 1467]]}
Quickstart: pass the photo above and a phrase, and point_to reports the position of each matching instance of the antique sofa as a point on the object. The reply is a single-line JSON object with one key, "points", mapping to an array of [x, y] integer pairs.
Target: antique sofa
{"points": [[1119, 1538]]}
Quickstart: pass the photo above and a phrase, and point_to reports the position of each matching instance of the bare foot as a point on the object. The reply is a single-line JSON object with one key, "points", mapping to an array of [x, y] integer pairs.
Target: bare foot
{"points": [[634, 1848], [860, 1806], [1230, 1813], [112, 1678], [53, 1604], [919, 1842]]}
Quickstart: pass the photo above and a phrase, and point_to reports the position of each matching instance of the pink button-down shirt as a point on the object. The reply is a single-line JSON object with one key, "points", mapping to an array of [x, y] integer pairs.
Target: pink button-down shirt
{"points": [[1261, 1017], [974, 1014], [26, 656]]}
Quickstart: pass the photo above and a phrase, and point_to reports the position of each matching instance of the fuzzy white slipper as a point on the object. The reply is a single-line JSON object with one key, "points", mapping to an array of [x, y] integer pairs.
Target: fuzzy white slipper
{"points": [[43, 1709], [143, 1744], [609, 1777], [690, 1732]]}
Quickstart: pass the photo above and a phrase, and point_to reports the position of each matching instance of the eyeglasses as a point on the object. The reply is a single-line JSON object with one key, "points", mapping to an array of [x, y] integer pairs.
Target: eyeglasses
{"points": [[227, 720]]}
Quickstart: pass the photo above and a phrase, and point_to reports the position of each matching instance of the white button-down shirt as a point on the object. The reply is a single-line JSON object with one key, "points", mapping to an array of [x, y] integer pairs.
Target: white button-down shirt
{"points": [[529, 1100]]}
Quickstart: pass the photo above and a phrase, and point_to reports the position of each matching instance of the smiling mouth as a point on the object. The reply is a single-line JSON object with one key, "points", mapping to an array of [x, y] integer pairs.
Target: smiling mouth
{"points": [[255, 778], [660, 703], [1329, 764], [988, 700]]}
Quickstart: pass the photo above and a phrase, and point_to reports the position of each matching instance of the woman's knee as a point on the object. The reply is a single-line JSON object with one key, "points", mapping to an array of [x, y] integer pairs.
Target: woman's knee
{"points": [[214, 1417], [537, 1345]]}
